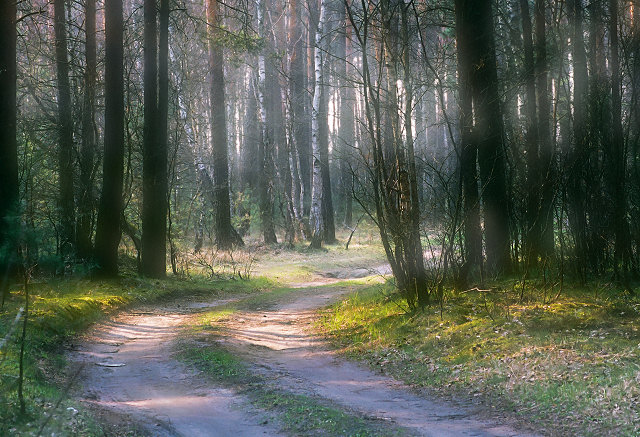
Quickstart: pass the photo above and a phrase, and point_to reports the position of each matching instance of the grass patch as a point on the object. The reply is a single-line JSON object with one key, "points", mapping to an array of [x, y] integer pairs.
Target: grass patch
{"points": [[60, 310], [569, 366]]}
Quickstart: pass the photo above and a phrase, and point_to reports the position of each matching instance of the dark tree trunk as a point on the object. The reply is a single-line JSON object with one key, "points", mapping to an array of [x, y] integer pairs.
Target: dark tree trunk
{"points": [[577, 189], [468, 146], [154, 176], [489, 126], [8, 143], [226, 236], [622, 250], [265, 155], [328, 215], [546, 148], [65, 134], [86, 203], [108, 231], [531, 142]]}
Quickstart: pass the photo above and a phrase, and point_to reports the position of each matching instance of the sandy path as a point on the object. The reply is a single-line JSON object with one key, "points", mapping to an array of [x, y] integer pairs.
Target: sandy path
{"points": [[130, 376], [146, 386], [280, 342]]}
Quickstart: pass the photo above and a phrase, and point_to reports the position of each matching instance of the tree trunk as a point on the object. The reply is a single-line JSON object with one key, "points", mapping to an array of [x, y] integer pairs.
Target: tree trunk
{"points": [[532, 222], [317, 186], [8, 144], [65, 134], [546, 148], [265, 158], [86, 203], [468, 146], [108, 231], [491, 149], [347, 123], [622, 249], [297, 96], [578, 171], [226, 236]]}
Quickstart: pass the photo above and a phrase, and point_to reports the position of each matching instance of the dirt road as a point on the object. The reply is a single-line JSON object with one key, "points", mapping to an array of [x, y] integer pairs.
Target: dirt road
{"points": [[130, 375]]}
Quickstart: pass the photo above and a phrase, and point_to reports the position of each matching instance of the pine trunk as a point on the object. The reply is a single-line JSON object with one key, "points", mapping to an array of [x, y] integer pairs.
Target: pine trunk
{"points": [[108, 231], [65, 134]]}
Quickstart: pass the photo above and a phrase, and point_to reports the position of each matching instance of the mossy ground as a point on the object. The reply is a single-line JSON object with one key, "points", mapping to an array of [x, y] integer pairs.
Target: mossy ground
{"points": [[568, 364]]}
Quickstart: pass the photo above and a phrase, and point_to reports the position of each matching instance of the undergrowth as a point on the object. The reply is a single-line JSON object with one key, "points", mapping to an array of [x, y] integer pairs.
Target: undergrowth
{"points": [[568, 364]]}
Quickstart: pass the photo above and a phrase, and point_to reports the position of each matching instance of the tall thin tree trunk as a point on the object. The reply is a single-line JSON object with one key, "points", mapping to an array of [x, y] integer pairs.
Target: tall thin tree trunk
{"points": [[86, 203], [226, 236], [108, 231], [468, 146], [8, 143], [317, 186], [65, 133], [266, 157], [153, 177], [580, 134], [490, 146], [546, 147], [415, 257], [346, 134], [622, 250], [532, 234]]}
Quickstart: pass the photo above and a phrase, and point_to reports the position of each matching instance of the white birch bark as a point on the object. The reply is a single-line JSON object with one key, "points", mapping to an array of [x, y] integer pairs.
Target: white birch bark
{"points": [[317, 224]]}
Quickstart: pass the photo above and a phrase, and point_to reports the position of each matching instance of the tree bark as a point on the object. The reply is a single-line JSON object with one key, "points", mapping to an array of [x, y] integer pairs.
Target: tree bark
{"points": [[579, 156], [468, 146], [490, 127], [532, 222], [226, 236], [108, 231], [8, 144], [65, 134], [86, 202], [546, 147], [622, 249], [265, 157], [154, 166], [317, 186]]}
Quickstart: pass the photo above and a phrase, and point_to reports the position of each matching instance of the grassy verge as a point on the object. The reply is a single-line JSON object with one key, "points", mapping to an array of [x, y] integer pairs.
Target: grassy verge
{"points": [[59, 311], [568, 364]]}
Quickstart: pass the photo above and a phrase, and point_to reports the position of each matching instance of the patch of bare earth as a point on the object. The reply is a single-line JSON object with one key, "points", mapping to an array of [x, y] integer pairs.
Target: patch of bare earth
{"points": [[132, 382], [282, 347]]}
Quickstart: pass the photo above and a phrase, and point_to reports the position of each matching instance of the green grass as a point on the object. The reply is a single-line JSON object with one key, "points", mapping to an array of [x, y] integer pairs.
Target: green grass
{"points": [[60, 310], [568, 366]]}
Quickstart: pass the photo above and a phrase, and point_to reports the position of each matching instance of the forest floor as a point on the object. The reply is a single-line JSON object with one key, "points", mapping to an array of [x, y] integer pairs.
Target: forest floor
{"points": [[267, 372], [318, 343]]}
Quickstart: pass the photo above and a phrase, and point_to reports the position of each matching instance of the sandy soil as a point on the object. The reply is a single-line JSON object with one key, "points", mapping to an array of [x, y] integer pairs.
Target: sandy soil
{"points": [[130, 376], [133, 382]]}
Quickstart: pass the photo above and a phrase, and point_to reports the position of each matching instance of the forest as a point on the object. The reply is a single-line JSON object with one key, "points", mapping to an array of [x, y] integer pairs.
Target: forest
{"points": [[465, 168]]}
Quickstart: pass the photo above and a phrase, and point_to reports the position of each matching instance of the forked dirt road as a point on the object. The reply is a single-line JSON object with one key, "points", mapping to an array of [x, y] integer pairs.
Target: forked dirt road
{"points": [[130, 375]]}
